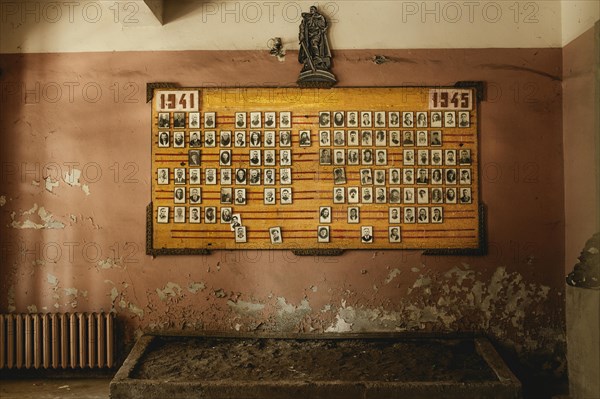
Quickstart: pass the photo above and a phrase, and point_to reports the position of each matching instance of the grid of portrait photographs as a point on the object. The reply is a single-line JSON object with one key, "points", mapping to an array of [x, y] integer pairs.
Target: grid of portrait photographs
{"points": [[398, 159]]}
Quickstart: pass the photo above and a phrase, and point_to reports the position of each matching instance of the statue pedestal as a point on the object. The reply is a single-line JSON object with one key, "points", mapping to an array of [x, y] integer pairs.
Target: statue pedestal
{"points": [[317, 79]]}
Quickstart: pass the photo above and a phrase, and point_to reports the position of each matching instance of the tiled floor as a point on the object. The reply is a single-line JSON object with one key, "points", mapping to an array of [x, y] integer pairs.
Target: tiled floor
{"points": [[55, 389]]}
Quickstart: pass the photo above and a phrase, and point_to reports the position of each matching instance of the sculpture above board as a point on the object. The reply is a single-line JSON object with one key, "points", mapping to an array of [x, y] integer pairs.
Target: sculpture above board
{"points": [[315, 53]]}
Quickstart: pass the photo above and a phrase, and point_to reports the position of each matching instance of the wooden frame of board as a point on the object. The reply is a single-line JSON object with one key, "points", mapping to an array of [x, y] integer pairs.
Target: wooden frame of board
{"points": [[315, 171]]}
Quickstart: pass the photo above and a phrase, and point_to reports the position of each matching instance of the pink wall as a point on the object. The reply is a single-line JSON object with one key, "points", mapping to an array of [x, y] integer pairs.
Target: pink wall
{"points": [[88, 254]]}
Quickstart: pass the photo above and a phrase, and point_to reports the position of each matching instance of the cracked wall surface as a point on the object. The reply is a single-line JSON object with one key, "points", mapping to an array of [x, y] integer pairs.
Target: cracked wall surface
{"points": [[74, 241]]}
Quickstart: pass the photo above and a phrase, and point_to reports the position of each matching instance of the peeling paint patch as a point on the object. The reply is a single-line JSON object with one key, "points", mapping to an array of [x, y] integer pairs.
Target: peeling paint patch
{"points": [[244, 307], [35, 183], [51, 184], [285, 307], [72, 178], [171, 290], [109, 263], [340, 326], [2, 200], [32, 309], [136, 310], [11, 299], [48, 221], [392, 275], [194, 288], [86, 189]]}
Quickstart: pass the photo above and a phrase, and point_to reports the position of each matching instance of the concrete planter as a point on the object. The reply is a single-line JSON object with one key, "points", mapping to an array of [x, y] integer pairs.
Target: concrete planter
{"points": [[583, 342]]}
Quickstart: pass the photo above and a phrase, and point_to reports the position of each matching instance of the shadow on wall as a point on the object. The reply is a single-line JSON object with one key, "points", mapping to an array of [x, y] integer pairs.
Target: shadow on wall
{"points": [[175, 10]]}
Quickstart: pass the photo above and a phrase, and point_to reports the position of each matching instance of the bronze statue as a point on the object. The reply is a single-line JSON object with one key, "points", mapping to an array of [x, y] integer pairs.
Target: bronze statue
{"points": [[314, 54]]}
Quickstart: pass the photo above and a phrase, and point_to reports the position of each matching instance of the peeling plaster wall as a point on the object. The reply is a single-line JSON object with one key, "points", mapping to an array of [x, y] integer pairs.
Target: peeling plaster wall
{"points": [[66, 248]]}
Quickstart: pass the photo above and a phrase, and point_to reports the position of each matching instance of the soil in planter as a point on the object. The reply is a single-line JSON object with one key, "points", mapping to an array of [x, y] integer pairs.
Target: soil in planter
{"points": [[210, 359]]}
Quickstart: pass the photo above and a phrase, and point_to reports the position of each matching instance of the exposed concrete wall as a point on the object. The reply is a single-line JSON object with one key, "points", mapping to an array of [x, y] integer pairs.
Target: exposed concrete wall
{"points": [[75, 182]]}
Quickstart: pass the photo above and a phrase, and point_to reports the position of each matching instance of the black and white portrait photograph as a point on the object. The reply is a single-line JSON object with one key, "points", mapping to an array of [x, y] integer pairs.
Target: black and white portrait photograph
{"points": [[436, 138], [195, 140], [255, 120], [422, 176], [304, 138], [380, 195], [269, 178], [240, 234], [270, 138], [210, 215], [179, 176], [255, 158], [366, 137], [194, 157], [195, 212], [324, 156], [366, 177], [285, 176], [379, 178], [179, 214], [379, 119], [395, 138], [394, 119], [451, 195], [210, 138], [178, 139], [465, 176], [285, 195], [325, 214], [465, 195], [255, 176], [353, 157], [423, 157], [339, 176], [437, 196], [449, 119], [324, 119], [275, 234], [195, 195], [179, 120], [269, 196], [353, 215], [239, 196], [195, 177], [409, 215], [409, 195], [226, 214], [408, 176], [323, 234], [162, 176], [236, 221], [164, 139], [339, 196], [339, 119], [210, 120], [450, 157], [381, 157], [339, 157], [464, 119], [380, 138], [408, 157], [164, 120], [162, 215], [270, 158], [465, 157], [255, 139], [285, 120], [240, 138], [436, 119], [421, 119], [394, 215], [285, 138], [422, 138], [366, 195], [225, 138], [422, 215], [240, 120], [436, 157], [240, 176], [451, 177], [270, 120], [324, 138], [408, 138], [367, 156], [225, 176], [422, 195], [395, 176], [353, 195], [225, 157], [437, 215], [366, 234], [179, 195], [394, 234], [353, 138], [226, 195], [408, 119], [366, 119], [352, 119], [339, 138], [285, 157], [395, 196], [436, 176]]}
